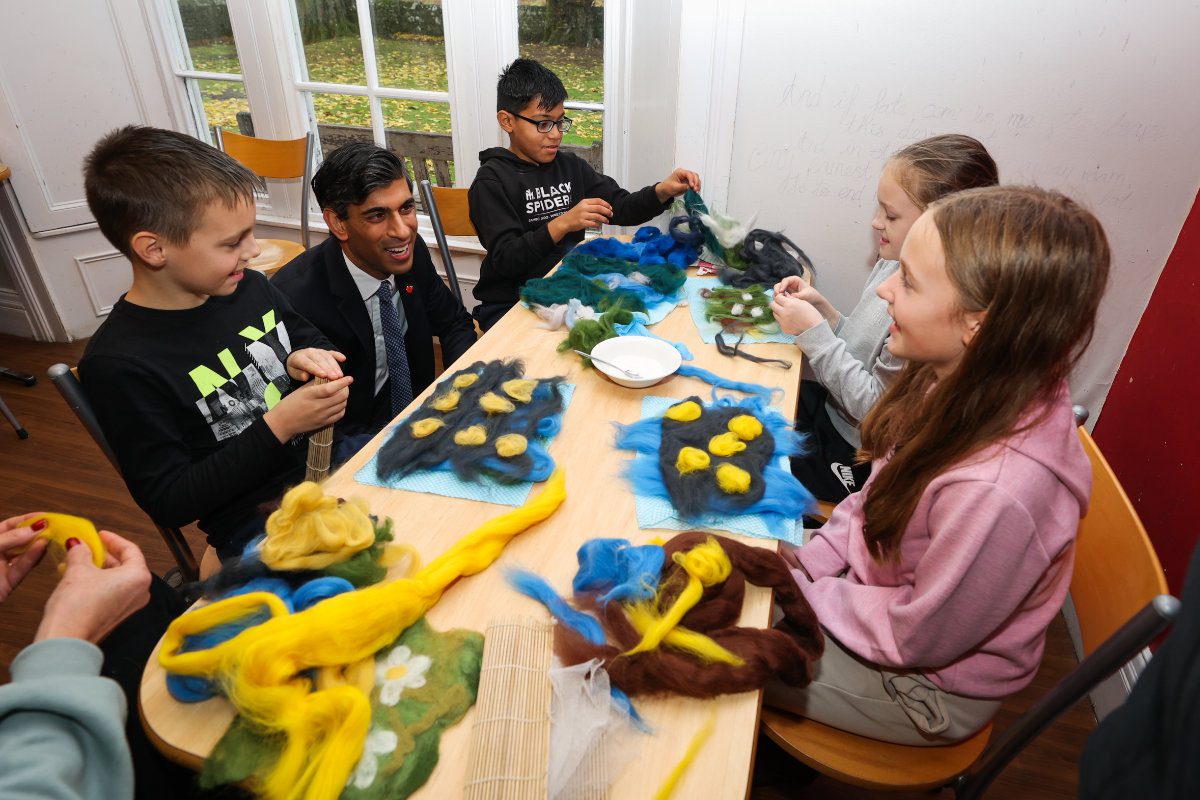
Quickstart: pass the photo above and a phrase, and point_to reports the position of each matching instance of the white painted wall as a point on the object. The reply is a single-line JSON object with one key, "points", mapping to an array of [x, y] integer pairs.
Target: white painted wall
{"points": [[1084, 97], [69, 72]]}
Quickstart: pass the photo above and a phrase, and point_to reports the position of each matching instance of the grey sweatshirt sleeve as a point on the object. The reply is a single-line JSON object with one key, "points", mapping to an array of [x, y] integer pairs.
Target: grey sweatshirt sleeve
{"points": [[852, 361], [853, 387], [62, 726]]}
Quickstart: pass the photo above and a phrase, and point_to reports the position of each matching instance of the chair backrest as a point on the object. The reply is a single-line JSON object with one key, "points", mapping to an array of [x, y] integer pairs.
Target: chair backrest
{"points": [[453, 210], [1116, 569], [452, 219], [1120, 596], [274, 158], [66, 380]]}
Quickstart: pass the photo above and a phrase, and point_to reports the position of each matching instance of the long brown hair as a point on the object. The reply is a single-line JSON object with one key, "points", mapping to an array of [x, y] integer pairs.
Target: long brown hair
{"points": [[1036, 263], [935, 167]]}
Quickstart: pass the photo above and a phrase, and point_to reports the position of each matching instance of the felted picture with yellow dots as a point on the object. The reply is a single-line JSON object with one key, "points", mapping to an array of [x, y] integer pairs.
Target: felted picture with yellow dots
{"points": [[485, 420], [720, 459]]}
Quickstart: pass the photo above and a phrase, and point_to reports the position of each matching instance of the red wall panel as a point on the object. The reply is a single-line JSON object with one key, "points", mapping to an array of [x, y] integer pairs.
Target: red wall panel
{"points": [[1149, 429]]}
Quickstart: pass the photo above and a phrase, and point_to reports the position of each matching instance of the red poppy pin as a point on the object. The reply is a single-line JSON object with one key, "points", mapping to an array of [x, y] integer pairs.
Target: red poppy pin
{"points": [[408, 288]]}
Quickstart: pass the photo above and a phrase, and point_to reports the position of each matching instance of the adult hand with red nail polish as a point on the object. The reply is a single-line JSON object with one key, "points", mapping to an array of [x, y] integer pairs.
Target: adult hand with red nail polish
{"points": [[16, 534], [89, 602]]}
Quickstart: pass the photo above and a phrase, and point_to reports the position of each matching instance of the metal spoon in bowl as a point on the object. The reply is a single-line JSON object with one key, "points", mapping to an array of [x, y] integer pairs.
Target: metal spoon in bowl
{"points": [[629, 373]]}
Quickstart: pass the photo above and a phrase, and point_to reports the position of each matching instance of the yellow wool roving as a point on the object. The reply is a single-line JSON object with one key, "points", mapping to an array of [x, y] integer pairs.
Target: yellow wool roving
{"points": [[311, 530], [705, 731], [746, 427], [265, 668], [686, 411], [643, 618], [465, 380], [472, 436], [493, 403], [447, 402], [511, 444], [725, 444], [423, 427], [519, 389], [706, 565], [65, 526], [733, 480], [691, 459]]}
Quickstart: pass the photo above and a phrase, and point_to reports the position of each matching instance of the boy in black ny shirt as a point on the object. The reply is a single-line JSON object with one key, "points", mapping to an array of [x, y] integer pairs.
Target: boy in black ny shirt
{"points": [[530, 203], [193, 375]]}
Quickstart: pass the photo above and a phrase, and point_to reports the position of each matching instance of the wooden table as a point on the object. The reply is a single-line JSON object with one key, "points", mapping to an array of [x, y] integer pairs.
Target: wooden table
{"points": [[599, 503]]}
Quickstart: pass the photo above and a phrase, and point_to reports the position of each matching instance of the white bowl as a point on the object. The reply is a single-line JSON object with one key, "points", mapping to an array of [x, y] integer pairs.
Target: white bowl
{"points": [[652, 358]]}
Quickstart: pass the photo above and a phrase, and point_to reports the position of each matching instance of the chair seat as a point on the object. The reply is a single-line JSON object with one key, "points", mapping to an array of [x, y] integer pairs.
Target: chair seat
{"points": [[275, 253], [870, 763]]}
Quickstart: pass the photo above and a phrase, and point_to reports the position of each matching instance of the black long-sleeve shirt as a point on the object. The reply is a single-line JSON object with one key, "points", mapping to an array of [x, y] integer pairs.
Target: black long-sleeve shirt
{"points": [[513, 200], [181, 395]]}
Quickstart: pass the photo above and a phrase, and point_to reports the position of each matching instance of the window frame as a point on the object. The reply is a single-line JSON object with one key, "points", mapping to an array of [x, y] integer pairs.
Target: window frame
{"points": [[480, 38]]}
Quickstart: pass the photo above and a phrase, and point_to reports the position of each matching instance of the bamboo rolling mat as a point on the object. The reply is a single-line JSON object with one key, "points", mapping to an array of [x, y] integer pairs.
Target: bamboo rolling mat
{"points": [[510, 738]]}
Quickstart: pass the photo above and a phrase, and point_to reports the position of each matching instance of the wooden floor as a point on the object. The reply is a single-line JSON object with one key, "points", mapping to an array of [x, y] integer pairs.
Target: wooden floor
{"points": [[59, 468]]}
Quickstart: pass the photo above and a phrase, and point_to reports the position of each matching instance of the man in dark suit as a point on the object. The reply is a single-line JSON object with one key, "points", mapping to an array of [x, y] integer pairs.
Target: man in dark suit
{"points": [[372, 289]]}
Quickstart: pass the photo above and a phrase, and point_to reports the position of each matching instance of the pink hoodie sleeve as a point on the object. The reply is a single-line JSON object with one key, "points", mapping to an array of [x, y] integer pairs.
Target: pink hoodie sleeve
{"points": [[824, 554], [983, 559]]}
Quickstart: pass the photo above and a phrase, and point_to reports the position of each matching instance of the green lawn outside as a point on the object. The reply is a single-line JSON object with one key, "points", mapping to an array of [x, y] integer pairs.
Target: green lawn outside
{"points": [[406, 63]]}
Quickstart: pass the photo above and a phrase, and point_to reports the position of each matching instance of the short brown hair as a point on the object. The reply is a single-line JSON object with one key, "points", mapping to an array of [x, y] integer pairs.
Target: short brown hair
{"points": [[940, 165], [1036, 263], [139, 178]]}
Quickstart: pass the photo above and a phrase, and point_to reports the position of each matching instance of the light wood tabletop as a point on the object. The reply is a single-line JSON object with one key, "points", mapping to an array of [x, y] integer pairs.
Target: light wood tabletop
{"points": [[599, 504]]}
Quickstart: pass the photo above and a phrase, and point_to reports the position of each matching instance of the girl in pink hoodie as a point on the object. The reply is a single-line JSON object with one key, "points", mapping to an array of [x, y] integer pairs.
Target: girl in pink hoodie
{"points": [[936, 583]]}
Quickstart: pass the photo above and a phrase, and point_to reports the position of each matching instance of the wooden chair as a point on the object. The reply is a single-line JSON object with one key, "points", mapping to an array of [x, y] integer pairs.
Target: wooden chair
{"points": [[1118, 619], [449, 215], [275, 158], [66, 380]]}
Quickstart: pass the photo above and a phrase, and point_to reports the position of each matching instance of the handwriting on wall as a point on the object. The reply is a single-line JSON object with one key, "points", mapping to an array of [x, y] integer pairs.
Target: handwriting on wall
{"points": [[862, 126]]}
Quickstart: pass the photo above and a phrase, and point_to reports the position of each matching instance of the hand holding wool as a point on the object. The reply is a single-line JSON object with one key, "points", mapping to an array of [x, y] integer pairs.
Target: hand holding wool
{"points": [[794, 315], [89, 602], [797, 287], [16, 535], [591, 212], [309, 408], [675, 184]]}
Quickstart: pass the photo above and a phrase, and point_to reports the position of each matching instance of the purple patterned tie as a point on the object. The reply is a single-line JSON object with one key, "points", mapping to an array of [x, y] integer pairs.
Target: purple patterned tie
{"points": [[397, 355]]}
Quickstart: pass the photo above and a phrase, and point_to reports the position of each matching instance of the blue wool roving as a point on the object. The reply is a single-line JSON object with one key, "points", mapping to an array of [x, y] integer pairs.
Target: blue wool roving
{"points": [[193, 688], [638, 328], [622, 701], [615, 565], [312, 592], [531, 585], [692, 371], [644, 436]]}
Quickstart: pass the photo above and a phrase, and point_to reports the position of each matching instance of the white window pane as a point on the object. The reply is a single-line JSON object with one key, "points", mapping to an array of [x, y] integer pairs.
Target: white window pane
{"points": [[225, 106], [585, 139], [567, 36], [341, 119], [419, 132], [410, 45], [209, 37], [332, 47]]}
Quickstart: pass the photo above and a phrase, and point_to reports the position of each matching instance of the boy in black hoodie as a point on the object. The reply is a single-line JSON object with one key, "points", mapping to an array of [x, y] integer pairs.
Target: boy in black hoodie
{"points": [[530, 204]]}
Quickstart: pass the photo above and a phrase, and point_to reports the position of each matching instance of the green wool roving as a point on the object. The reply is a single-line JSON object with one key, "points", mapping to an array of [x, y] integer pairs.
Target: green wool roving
{"points": [[739, 310], [588, 333], [425, 682], [363, 568]]}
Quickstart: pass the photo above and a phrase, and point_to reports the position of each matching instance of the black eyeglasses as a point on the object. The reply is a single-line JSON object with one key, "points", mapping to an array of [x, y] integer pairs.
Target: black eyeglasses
{"points": [[546, 125]]}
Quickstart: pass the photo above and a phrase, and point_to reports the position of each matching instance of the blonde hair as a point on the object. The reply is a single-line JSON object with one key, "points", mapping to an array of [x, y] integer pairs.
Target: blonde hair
{"points": [[1036, 263], [940, 165]]}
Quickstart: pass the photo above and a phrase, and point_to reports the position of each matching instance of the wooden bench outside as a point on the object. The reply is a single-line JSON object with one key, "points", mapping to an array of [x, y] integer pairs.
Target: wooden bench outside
{"points": [[426, 156]]}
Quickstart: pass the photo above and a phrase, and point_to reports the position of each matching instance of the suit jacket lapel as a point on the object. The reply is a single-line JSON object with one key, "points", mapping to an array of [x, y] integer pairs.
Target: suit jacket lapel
{"points": [[349, 302]]}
